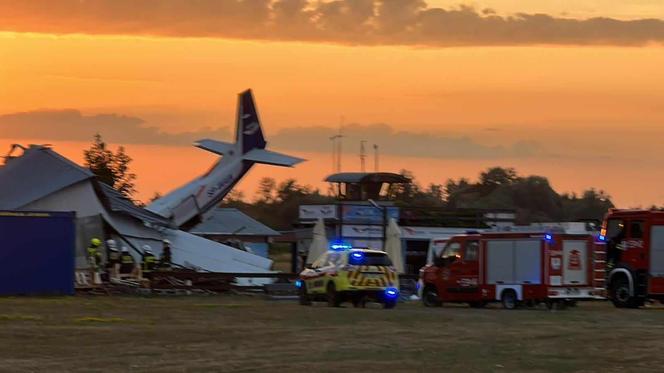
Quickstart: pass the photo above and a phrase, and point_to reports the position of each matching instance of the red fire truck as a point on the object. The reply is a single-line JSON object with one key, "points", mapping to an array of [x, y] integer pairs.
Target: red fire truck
{"points": [[635, 256], [515, 268]]}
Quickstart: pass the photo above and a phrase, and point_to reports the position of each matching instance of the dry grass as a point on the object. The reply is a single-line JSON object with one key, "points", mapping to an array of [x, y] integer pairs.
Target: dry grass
{"points": [[243, 334]]}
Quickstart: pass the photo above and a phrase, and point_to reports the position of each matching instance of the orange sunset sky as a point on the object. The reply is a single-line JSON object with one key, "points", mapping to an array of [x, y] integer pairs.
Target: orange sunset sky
{"points": [[570, 90]]}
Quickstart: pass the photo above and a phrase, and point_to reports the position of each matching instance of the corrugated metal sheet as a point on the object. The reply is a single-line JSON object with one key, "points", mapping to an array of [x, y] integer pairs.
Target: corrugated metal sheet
{"points": [[37, 253], [230, 221], [36, 174], [118, 203]]}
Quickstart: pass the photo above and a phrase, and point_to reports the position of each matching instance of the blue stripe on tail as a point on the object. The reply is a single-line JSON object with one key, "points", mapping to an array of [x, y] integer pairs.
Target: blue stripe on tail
{"points": [[252, 133]]}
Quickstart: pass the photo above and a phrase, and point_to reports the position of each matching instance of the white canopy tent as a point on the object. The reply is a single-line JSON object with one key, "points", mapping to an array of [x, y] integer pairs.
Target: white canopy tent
{"points": [[319, 244], [393, 245]]}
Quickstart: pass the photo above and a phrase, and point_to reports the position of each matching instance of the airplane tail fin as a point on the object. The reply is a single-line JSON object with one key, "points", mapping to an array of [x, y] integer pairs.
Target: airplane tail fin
{"points": [[249, 139], [249, 132]]}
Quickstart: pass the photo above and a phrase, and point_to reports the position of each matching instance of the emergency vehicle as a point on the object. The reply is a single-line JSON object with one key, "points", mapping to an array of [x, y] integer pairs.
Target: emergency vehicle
{"points": [[635, 253], [350, 274], [515, 268]]}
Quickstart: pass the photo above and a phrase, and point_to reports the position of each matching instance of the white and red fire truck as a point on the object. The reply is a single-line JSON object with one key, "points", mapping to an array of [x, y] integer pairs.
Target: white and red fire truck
{"points": [[635, 256], [515, 268]]}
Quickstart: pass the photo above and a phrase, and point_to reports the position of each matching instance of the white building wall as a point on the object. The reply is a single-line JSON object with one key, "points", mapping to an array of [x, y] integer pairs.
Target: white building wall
{"points": [[79, 197]]}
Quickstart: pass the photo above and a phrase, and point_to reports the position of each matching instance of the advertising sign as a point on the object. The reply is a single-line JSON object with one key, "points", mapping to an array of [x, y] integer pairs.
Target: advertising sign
{"points": [[313, 212], [367, 214]]}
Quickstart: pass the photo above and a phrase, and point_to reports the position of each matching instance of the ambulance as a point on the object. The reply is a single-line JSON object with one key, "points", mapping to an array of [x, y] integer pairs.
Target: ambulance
{"points": [[515, 269], [345, 273]]}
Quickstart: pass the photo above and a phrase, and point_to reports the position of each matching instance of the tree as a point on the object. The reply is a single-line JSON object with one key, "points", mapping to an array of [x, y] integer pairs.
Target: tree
{"points": [[99, 159], [124, 179], [266, 189], [109, 168], [498, 176]]}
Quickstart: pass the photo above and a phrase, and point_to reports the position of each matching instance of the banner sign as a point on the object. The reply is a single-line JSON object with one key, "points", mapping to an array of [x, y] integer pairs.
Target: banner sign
{"points": [[313, 212], [367, 214], [362, 231]]}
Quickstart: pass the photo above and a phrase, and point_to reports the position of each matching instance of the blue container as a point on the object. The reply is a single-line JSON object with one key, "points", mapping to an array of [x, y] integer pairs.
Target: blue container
{"points": [[37, 253]]}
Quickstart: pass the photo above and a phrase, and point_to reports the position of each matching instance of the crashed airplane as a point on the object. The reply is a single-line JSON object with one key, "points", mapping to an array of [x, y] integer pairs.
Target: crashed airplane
{"points": [[185, 205]]}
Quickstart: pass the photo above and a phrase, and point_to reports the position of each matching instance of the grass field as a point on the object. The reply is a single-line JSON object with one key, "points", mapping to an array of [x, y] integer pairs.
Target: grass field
{"points": [[247, 334]]}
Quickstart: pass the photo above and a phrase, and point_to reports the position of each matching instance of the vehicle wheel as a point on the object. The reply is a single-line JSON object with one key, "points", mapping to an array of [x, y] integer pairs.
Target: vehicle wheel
{"points": [[305, 300], [479, 304], [620, 294], [430, 297], [333, 298], [509, 299], [389, 304]]}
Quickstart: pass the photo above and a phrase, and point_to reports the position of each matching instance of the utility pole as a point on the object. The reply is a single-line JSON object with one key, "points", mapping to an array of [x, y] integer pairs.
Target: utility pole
{"points": [[339, 150], [375, 146], [363, 155], [333, 139], [336, 148]]}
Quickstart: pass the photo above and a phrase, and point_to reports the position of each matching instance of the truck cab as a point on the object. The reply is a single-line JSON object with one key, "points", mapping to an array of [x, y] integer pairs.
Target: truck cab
{"points": [[454, 273], [635, 256]]}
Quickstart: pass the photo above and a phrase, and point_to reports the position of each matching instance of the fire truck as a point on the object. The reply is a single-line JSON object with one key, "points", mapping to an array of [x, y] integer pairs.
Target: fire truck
{"points": [[635, 256], [515, 268]]}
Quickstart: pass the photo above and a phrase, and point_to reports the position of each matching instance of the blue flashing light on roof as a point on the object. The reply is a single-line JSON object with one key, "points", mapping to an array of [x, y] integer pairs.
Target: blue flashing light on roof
{"points": [[340, 246], [548, 237], [298, 283], [601, 237], [391, 293]]}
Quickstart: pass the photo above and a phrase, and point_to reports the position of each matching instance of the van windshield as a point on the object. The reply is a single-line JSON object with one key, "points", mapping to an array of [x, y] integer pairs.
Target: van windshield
{"points": [[359, 258]]}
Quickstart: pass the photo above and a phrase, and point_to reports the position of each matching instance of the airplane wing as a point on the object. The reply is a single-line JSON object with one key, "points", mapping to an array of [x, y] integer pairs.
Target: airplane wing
{"points": [[214, 146], [271, 158]]}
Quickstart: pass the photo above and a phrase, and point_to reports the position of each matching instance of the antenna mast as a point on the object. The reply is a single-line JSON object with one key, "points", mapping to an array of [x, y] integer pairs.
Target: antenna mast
{"points": [[375, 147], [336, 148], [363, 155]]}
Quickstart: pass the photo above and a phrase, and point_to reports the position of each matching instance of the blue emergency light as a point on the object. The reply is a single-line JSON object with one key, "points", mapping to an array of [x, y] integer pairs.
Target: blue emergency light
{"points": [[339, 246], [548, 237], [358, 255], [602, 237], [391, 293], [298, 283]]}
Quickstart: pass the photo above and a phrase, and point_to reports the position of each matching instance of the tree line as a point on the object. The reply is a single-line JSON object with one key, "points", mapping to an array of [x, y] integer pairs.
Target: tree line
{"points": [[276, 203]]}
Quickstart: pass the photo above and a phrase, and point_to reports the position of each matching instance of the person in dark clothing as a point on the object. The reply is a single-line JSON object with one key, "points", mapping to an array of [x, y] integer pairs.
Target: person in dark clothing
{"points": [[127, 263], [165, 260]]}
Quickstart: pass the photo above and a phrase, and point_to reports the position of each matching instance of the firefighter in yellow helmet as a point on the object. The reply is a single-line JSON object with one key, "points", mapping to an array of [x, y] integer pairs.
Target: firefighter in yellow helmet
{"points": [[149, 261], [94, 254]]}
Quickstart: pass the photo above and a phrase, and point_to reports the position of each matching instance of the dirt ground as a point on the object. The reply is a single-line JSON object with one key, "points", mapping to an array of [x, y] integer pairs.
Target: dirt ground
{"points": [[251, 334]]}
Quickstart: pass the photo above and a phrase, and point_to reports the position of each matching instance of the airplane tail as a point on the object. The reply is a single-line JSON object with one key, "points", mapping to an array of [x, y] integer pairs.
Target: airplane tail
{"points": [[249, 132], [249, 139]]}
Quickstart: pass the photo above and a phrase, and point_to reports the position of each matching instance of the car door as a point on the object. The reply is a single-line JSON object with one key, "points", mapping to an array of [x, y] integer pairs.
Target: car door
{"points": [[450, 257], [464, 272]]}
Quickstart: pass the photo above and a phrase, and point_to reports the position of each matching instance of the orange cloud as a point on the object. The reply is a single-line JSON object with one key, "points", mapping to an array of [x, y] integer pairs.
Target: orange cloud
{"points": [[364, 22]]}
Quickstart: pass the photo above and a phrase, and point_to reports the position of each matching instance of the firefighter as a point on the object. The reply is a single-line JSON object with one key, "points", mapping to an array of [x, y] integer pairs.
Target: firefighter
{"points": [[149, 260], [165, 259], [94, 255], [113, 255], [127, 263]]}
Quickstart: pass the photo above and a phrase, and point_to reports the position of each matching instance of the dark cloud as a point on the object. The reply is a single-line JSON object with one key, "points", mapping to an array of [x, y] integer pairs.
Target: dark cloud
{"points": [[71, 125], [401, 143], [366, 22]]}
